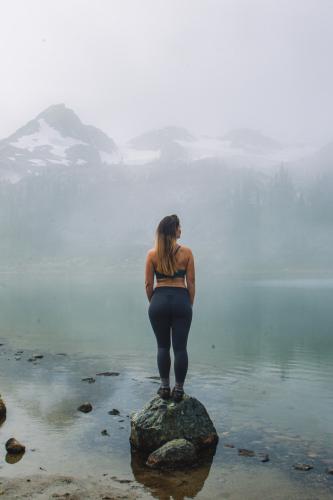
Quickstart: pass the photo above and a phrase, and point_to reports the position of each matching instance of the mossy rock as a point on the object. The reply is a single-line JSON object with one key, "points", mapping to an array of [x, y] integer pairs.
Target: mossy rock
{"points": [[161, 421], [173, 454]]}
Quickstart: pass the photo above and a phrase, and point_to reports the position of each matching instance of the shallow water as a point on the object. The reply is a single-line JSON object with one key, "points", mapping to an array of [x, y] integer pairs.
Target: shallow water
{"points": [[260, 360]]}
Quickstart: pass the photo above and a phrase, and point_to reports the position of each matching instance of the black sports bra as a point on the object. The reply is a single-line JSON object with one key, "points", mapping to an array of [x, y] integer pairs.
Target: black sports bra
{"points": [[180, 273]]}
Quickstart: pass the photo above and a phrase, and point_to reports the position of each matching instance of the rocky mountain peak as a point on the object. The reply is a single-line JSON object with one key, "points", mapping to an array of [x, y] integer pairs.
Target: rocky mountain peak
{"points": [[62, 119], [56, 136]]}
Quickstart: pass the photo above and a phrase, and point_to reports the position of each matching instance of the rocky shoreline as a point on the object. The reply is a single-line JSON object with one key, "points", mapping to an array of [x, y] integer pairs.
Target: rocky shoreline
{"points": [[52, 485], [90, 385], [68, 487]]}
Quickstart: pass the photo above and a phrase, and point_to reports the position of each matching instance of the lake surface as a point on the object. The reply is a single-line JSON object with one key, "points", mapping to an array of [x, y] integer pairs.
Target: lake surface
{"points": [[260, 360]]}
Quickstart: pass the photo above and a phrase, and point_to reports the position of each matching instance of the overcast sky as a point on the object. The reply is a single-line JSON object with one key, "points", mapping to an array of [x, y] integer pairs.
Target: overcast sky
{"points": [[127, 66]]}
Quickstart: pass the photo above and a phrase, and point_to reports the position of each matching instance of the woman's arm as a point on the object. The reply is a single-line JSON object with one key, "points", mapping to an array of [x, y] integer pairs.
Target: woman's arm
{"points": [[190, 276], [149, 276]]}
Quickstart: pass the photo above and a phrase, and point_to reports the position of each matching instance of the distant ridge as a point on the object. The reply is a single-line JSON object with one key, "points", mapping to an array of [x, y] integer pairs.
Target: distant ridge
{"points": [[155, 139], [251, 139]]}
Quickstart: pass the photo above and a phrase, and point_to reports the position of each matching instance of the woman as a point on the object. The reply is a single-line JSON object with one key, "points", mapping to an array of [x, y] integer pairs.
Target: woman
{"points": [[171, 302]]}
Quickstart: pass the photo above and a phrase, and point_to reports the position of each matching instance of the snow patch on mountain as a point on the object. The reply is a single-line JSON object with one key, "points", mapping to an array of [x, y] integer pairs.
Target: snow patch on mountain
{"points": [[38, 162], [60, 161], [131, 156], [209, 147], [46, 136]]}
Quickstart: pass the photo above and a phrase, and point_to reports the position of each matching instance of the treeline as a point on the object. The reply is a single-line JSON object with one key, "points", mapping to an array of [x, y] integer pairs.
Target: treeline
{"points": [[236, 219]]}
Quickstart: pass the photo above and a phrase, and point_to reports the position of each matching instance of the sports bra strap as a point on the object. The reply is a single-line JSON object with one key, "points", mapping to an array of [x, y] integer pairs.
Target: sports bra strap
{"points": [[181, 272]]}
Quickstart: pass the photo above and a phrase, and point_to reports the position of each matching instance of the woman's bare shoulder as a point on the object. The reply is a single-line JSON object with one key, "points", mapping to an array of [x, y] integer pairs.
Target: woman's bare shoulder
{"points": [[187, 249], [151, 252]]}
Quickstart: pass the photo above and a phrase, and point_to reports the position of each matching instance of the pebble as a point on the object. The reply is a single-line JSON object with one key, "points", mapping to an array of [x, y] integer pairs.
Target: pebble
{"points": [[90, 380], [108, 374], [85, 407], [303, 466], [114, 411]]}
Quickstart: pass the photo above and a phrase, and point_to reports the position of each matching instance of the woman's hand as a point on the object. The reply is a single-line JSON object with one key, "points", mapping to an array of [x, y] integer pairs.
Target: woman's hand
{"points": [[149, 276]]}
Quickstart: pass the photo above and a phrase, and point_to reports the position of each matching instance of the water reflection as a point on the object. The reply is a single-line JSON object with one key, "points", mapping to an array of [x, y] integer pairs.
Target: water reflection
{"points": [[247, 322], [178, 485], [12, 458]]}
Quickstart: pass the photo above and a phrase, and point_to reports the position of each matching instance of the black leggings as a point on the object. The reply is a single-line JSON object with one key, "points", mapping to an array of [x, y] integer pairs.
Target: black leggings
{"points": [[170, 308]]}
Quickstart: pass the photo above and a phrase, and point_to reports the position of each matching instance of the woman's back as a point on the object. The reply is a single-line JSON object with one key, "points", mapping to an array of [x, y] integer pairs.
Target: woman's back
{"points": [[184, 268]]}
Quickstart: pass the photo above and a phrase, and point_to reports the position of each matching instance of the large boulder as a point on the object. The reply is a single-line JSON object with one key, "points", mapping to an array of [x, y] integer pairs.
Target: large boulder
{"points": [[3, 411], [161, 421], [14, 446]]}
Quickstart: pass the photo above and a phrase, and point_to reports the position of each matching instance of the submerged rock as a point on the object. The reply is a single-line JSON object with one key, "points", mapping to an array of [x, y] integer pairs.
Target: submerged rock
{"points": [[264, 457], [172, 454], [245, 453], [304, 467], [13, 446], [34, 357], [90, 380], [161, 421], [108, 374]]}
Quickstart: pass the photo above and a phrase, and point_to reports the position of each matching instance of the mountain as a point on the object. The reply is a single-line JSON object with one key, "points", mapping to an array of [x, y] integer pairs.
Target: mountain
{"points": [[155, 139], [251, 140], [55, 137], [160, 144]]}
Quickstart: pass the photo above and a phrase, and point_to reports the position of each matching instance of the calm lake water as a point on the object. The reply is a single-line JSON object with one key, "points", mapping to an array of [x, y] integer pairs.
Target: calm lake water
{"points": [[260, 360]]}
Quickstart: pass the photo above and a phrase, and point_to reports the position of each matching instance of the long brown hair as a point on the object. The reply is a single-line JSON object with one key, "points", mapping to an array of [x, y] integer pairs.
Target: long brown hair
{"points": [[165, 244]]}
